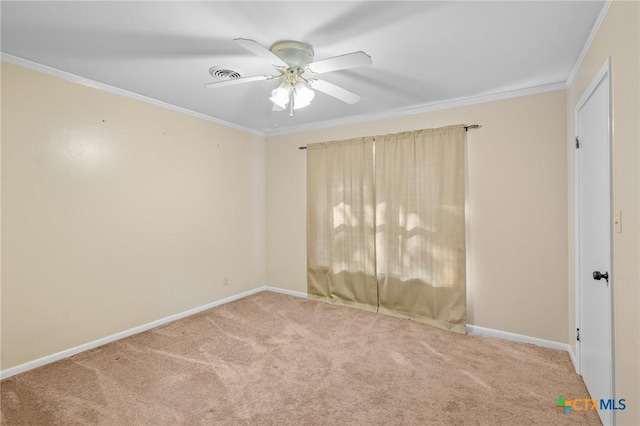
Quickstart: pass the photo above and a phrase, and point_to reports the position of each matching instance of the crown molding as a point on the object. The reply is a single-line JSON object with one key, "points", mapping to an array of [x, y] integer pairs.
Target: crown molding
{"points": [[587, 44], [433, 106], [34, 66]]}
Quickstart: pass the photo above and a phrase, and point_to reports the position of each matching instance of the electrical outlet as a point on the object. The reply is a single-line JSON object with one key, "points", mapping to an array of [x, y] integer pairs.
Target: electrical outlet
{"points": [[225, 281]]}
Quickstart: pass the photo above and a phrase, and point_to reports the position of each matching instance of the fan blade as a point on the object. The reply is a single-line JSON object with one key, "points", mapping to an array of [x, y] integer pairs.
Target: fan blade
{"points": [[350, 60], [277, 108], [225, 83], [259, 50], [336, 91]]}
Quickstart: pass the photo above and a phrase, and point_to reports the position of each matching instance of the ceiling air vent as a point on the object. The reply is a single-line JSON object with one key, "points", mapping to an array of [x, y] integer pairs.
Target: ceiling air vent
{"points": [[224, 73]]}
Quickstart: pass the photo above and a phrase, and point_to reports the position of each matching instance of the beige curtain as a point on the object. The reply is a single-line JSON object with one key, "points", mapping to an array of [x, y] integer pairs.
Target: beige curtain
{"points": [[340, 229], [420, 217], [389, 234]]}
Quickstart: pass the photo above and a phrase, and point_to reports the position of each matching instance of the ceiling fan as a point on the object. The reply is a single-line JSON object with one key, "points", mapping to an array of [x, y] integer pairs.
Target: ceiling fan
{"points": [[294, 62]]}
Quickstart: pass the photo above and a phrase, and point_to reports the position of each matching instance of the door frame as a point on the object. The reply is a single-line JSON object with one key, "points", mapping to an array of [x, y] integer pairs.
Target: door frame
{"points": [[598, 79]]}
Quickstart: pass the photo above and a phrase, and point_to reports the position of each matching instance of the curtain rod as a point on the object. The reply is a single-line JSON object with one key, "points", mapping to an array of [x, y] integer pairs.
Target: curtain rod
{"points": [[466, 128]]}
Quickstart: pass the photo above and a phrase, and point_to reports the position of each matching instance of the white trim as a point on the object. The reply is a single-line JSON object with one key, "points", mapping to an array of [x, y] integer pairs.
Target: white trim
{"points": [[574, 360], [433, 106], [121, 335], [590, 38], [604, 73], [576, 242], [284, 291], [482, 331], [34, 66], [473, 329]]}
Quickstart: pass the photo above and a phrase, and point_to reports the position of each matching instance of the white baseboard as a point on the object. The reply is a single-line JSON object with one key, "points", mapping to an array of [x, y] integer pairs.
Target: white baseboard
{"points": [[284, 291], [482, 331], [473, 329], [574, 360], [121, 335]]}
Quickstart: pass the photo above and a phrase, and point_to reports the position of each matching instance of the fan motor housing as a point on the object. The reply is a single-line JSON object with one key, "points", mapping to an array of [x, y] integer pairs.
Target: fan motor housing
{"points": [[293, 53]]}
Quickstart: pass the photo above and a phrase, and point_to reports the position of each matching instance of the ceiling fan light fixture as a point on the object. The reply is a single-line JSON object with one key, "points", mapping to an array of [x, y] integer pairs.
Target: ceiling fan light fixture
{"points": [[280, 96], [294, 62], [302, 96]]}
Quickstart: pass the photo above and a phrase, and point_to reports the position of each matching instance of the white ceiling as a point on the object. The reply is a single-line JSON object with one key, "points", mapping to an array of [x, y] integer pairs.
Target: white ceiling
{"points": [[423, 52]]}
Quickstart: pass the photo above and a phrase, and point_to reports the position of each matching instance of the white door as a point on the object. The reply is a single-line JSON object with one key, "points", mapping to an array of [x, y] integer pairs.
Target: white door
{"points": [[595, 278]]}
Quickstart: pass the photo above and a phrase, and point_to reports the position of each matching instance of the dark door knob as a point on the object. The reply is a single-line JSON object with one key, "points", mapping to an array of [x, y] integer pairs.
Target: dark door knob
{"points": [[597, 275]]}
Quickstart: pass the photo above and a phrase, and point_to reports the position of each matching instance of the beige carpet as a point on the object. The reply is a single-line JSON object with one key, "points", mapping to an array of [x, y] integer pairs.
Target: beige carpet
{"points": [[279, 360]]}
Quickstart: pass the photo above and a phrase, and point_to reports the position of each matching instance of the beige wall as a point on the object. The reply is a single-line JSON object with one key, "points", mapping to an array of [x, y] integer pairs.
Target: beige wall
{"points": [[618, 38], [116, 213], [517, 202]]}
